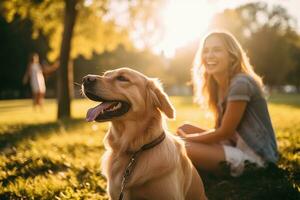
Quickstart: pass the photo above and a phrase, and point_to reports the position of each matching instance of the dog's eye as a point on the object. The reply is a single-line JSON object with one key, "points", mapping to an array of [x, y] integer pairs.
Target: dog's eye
{"points": [[122, 78]]}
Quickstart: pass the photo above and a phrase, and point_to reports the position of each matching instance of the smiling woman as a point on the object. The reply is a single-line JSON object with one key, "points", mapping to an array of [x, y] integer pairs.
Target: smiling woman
{"points": [[184, 21]]}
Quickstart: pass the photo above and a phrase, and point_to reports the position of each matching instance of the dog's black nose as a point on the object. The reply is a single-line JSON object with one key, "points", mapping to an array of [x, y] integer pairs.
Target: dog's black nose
{"points": [[89, 79]]}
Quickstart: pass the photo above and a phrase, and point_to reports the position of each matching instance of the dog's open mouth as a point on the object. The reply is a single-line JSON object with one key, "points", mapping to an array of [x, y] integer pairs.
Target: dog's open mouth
{"points": [[106, 110]]}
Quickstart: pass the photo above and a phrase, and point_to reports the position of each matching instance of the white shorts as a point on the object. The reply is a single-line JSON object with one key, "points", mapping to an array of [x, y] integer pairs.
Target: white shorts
{"points": [[237, 155]]}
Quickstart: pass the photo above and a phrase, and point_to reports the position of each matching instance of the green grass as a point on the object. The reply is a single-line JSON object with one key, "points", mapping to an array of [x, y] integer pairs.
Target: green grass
{"points": [[44, 159]]}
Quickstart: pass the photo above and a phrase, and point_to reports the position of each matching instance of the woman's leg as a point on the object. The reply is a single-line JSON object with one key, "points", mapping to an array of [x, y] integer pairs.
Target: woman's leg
{"points": [[35, 97], [41, 99], [206, 156]]}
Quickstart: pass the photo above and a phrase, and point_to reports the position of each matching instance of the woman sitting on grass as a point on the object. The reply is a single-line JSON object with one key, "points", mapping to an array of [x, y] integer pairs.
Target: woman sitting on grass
{"points": [[233, 92]]}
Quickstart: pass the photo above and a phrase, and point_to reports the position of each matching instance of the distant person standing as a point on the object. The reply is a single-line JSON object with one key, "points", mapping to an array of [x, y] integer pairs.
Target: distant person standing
{"points": [[34, 72]]}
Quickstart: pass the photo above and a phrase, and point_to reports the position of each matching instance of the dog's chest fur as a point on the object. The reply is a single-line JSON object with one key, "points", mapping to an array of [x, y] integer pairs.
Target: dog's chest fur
{"points": [[149, 169]]}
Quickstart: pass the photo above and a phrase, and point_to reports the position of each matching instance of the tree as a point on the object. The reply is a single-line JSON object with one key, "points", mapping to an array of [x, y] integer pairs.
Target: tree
{"points": [[270, 53], [86, 28], [293, 76]]}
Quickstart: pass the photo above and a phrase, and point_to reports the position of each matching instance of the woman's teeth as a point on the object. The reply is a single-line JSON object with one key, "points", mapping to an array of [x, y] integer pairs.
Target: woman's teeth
{"points": [[211, 63]]}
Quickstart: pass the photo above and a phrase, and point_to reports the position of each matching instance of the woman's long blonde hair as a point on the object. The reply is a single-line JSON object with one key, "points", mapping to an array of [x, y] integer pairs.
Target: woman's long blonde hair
{"points": [[205, 86]]}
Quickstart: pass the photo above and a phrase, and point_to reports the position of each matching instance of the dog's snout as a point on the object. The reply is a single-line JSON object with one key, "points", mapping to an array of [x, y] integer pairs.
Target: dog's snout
{"points": [[89, 79]]}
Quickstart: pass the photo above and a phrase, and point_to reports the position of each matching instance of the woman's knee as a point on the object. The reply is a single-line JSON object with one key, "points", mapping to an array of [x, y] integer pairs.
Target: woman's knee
{"points": [[194, 150], [207, 156]]}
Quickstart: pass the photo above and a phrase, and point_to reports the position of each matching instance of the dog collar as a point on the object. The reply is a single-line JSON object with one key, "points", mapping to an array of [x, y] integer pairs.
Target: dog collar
{"points": [[149, 145], [130, 167]]}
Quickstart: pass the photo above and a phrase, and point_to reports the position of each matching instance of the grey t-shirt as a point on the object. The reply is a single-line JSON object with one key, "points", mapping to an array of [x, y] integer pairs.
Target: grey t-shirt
{"points": [[255, 126]]}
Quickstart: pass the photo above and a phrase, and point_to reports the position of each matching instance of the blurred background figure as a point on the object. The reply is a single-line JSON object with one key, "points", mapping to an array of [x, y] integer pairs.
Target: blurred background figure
{"points": [[35, 72]]}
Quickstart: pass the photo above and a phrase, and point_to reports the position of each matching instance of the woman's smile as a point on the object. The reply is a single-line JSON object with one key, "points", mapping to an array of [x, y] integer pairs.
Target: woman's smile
{"points": [[215, 56], [211, 64]]}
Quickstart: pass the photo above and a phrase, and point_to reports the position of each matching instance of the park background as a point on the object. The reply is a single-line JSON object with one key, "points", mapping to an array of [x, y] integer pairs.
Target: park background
{"points": [[54, 153]]}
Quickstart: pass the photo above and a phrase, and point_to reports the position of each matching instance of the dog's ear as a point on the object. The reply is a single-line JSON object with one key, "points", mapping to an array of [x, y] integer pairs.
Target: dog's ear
{"points": [[160, 98]]}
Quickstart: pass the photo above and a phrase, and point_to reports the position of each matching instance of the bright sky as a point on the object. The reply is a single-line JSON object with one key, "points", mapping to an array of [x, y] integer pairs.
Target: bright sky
{"points": [[187, 20], [184, 21]]}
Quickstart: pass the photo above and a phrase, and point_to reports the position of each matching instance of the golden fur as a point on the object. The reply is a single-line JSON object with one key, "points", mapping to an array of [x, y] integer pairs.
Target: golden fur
{"points": [[163, 172]]}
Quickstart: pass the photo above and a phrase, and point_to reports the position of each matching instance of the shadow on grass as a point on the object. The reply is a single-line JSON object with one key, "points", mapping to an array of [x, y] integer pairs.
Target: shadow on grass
{"points": [[259, 184], [14, 134], [32, 168], [23, 195], [89, 178], [90, 181]]}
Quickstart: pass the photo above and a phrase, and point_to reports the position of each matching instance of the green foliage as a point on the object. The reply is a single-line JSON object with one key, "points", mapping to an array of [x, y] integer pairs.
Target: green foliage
{"points": [[92, 32], [144, 61], [268, 37], [96, 28], [269, 53], [45, 159]]}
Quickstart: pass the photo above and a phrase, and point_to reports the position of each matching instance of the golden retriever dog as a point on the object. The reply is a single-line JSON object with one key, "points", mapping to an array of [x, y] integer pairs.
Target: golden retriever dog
{"points": [[156, 163]]}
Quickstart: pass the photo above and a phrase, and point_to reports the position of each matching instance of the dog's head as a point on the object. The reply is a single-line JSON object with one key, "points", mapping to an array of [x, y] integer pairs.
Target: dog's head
{"points": [[125, 93]]}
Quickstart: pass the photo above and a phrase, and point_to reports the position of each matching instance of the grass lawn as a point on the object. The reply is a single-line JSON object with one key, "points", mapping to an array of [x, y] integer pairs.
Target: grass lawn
{"points": [[44, 159]]}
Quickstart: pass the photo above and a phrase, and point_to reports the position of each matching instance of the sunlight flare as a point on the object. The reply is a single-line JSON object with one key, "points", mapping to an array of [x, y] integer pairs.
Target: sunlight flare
{"points": [[184, 21]]}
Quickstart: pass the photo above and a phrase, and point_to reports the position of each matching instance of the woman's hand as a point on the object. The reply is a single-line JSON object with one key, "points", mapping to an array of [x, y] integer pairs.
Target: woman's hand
{"points": [[192, 133], [181, 133], [184, 130], [188, 129], [48, 69]]}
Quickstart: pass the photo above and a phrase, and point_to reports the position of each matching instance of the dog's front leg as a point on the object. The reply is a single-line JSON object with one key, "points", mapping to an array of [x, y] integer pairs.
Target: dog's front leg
{"points": [[113, 191]]}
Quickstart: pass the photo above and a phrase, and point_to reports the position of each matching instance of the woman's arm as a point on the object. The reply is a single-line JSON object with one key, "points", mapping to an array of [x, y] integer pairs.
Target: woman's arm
{"points": [[26, 75], [231, 119], [48, 69]]}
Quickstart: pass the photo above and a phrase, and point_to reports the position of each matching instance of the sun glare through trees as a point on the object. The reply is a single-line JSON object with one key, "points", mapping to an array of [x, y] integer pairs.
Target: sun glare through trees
{"points": [[183, 22]]}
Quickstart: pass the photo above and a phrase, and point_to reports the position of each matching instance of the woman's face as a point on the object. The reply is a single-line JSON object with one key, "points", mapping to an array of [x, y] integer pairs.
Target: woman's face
{"points": [[35, 58], [215, 56]]}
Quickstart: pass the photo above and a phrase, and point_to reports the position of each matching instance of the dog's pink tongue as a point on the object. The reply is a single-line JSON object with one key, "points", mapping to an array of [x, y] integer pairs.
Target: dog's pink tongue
{"points": [[92, 113]]}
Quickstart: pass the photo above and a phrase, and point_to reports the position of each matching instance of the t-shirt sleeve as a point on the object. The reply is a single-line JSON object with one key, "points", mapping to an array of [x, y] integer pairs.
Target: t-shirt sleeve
{"points": [[240, 89]]}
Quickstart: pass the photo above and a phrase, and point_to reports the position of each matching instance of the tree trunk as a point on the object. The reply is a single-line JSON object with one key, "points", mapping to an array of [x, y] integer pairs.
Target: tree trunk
{"points": [[65, 72]]}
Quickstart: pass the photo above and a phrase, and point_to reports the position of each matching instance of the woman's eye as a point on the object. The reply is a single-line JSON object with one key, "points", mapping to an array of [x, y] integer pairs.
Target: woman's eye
{"points": [[217, 50], [121, 78]]}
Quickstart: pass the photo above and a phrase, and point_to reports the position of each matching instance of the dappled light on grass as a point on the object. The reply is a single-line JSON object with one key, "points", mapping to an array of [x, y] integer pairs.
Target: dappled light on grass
{"points": [[54, 165], [46, 159]]}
